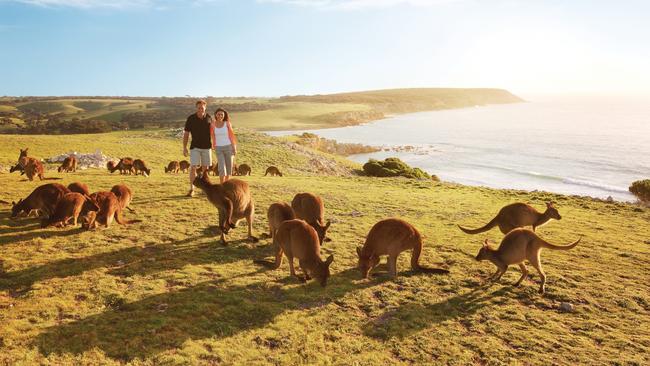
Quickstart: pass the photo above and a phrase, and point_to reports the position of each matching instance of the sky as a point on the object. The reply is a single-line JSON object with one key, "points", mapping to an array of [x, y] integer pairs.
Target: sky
{"points": [[289, 47]]}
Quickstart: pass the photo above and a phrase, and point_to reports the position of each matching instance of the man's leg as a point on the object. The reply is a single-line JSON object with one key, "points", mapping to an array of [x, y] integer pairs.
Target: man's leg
{"points": [[194, 163]]}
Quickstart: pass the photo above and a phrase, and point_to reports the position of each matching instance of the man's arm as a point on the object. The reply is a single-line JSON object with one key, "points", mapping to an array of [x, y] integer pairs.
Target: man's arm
{"points": [[186, 137]]}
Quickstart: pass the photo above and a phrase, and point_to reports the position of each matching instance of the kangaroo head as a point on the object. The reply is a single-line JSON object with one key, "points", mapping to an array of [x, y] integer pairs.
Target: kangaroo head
{"points": [[16, 208], [366, 262], [322, 273], [552, 212], [321, 230], [484, 252], [23, 153]]}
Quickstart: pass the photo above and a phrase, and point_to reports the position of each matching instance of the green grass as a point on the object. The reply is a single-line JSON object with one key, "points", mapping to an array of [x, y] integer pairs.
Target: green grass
{"points": [[165, 292]]}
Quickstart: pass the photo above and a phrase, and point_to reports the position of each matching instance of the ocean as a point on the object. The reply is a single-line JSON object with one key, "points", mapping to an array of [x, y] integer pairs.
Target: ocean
{"points": [[591, 146]]}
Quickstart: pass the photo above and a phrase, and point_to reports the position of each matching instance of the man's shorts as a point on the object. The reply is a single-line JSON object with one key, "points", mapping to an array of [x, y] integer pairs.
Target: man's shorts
{"points": [[202, 157]]}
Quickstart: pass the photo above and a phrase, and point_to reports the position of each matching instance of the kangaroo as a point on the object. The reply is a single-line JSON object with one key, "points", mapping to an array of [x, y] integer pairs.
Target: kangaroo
{"points": [[70, 206], [213, 169], [109, 209], [516, 247], [139, 166], [43, 198], [273, 171], [518, 215], [244, 169], [297, 239], [79, 188], [124, 195], [391, 237], [125, 166], [69, 164], [184, 165], [233, 201], [31, 167], [277, 214], [310, 208], [173, 167]]}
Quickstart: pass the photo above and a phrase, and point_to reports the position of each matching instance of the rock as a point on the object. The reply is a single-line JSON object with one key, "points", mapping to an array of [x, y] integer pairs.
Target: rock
{"points": [[610, 199], [566, 307], [356, 214], [84, 161]]}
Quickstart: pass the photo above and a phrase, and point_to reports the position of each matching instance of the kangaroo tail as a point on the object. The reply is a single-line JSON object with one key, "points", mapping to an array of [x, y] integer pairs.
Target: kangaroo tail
{"points": [[130, 209], [560, 247], [485, 228], [120, 220]]}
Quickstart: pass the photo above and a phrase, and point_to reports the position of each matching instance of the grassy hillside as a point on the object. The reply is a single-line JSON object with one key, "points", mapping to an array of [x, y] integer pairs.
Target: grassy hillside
{"points": [[165, 292], [53, 115]]}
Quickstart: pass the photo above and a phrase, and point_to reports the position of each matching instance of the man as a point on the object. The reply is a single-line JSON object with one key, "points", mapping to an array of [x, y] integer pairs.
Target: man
{"points": [[199, 125]]}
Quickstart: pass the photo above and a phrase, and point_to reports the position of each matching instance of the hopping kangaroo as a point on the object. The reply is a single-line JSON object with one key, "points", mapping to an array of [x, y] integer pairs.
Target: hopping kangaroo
{"points": [[516, 247], [310, 208], [124, 195], [273, 171], [79, 188], [43, 198], [297, 239], [391, 237], [233, 201], [518, 215], [70, 206], [184, 165], [243, 169], [173, 167], [109, 209], [69, 164], [277, 214], [139, 166]]}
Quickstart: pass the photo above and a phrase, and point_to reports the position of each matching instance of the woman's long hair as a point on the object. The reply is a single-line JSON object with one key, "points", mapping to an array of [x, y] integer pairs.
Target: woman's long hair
{"points": [[226, 116]]}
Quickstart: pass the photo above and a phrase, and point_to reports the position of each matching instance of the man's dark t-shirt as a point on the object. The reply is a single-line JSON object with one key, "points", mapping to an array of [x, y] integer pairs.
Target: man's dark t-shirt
{"points": [[199, 128]]}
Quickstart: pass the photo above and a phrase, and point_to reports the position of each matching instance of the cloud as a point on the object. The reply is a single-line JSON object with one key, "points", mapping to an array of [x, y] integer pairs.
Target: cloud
{"points": [[356, 4]]}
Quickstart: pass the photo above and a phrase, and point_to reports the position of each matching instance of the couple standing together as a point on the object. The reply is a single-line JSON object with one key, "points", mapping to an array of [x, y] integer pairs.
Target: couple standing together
{"points": [[208, 134]]}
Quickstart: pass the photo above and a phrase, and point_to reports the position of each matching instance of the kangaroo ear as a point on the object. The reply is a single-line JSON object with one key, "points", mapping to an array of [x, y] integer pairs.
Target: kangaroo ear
{"points": [[549, 204], [327, 226], [13, 203], [359, 251], [329, 260], [485, 243]]}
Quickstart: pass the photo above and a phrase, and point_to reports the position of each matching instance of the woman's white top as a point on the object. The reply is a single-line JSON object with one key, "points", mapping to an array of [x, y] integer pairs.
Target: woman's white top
{"points": [[221, 135]]}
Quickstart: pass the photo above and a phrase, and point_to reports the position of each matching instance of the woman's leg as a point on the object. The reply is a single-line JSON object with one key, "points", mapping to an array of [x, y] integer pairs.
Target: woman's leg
{"points": [[228, 163], [221, 161]]}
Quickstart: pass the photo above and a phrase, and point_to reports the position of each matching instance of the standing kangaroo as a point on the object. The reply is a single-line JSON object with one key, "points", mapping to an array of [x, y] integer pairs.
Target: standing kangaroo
{"points": [[79, 188], [391, 237], [297, 239], [124, 195], [31, 167], [233, 201], [516, 247], [518, 215], [277, 214], [310, 208], [69, 164]]}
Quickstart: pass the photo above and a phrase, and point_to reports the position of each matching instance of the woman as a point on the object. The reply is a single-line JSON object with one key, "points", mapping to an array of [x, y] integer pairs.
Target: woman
{"points": [[224, 143]]}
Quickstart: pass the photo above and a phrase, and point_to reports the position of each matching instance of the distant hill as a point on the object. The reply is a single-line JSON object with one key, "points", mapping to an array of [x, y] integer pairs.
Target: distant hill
{"points": [[65, 115]]}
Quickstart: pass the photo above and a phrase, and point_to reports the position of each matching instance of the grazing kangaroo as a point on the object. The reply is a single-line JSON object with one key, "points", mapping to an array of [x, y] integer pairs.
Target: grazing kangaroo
{"points": [[297, 239], [184, 165], [109, 209], [43, 198], [69, 164], [391, 237], [124, 196], [173, 167], [518, 215], [213, 169], [277, 214], [273, 171], [310, 208], [125, 166], [79, 188], [139, 166], [244, 169], [233, 201], [516, 247], [70, 206]]}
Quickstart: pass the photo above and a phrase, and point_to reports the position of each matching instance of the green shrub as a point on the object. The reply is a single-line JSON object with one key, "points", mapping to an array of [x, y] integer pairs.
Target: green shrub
{"points": [[641, 189], [392, 167]]}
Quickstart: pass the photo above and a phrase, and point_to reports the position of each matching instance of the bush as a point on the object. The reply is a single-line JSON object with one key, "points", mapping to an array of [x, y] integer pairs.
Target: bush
{"points": [[641, 189], [393, 167]]}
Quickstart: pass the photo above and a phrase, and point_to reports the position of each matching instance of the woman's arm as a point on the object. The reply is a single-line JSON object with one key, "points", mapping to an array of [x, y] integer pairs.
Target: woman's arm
{"points": [[212, 137]]}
